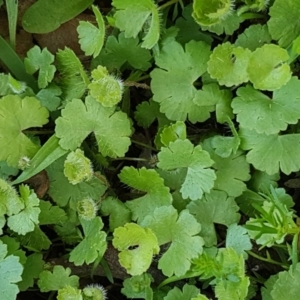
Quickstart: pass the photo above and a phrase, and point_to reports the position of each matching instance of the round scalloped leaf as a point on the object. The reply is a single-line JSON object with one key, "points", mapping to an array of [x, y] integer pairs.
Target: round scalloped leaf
{"points": [[137, 246], [268, 67], [254, 37], [284, 24], [271, 114], [228, 64], [105, 88], [209, 12]]}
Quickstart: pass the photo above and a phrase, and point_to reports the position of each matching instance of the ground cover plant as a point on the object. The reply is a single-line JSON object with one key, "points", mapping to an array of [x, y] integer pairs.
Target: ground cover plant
{"points": [[149, 149]]}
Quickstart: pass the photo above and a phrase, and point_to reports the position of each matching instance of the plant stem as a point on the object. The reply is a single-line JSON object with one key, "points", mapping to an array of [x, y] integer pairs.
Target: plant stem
{"points": [[144, 145], [138, 85], [269, 260], [142, 78], [168, 4], [130, 158]]}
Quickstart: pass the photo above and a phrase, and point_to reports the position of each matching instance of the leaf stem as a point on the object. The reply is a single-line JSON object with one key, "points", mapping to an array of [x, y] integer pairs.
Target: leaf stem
{"points": [[168, 4], [143, 78], [138, 85], [144, 145], [130, 158], [269, 260]]}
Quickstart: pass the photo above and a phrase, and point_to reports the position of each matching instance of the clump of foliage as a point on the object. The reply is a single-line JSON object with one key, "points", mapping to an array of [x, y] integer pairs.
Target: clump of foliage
{"points": [[173, 155]]}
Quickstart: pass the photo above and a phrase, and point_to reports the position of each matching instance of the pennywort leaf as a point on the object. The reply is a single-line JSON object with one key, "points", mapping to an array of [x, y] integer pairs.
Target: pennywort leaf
{"points": [[91, 38], [271, 153], [41, 60], [268, 67], [16, 115], [137, 246], [132, 16], [173, 80], [145, 180], [228, 64], [182, 234], [271, 115], [111, 127], [182, 154], [93, 245]]}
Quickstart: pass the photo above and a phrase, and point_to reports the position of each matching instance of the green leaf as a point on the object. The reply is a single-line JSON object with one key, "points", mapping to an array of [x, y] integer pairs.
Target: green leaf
{"points": [[253, 37], [15, 64], [224, 146], [261, 181], [57, 279], [13, 248], [210, 209], [10, 203], [73, 79], [271, 115], [117, 211], [35, 240], [188, 291], [10, 274], [137, 259], [228, 64], [182, 234], [93, 245], [207, 13], [32, 268], [17, 87], [49, 97], [231, 171], [269, 68], [268, 287], [46, 155], [227, 25], [28, 217], [173, 81], [78, 120], [120, 50], [138, 287], [146, 113], [189, 29], [132, 16], [283, 23], [172, 133], [91, 38], [148, 181], [4, 86], [16, 115], [277, 159], [287, 284], [44, 16], [62, 191], [182, 154], [212, 98], [41, 60], [51, 214], [238, 239], [105, 88]]}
